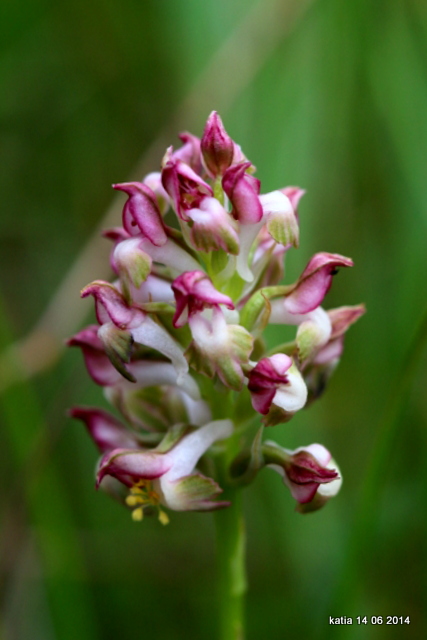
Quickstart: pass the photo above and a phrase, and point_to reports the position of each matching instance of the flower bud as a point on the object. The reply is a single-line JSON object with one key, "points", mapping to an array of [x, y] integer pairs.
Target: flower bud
{"points": [[310, 473], [217, 146]]}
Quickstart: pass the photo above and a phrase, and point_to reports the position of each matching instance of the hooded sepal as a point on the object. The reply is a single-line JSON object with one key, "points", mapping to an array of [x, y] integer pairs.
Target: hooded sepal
{"points": [[141, 213], [341, 320], [190, 152], [243, 192], [315, 281], [110, 305], [319, 369]]}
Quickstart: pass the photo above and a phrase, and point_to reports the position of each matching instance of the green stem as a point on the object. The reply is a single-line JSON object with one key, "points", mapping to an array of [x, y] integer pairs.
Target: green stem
{"points": [[230, 534]]}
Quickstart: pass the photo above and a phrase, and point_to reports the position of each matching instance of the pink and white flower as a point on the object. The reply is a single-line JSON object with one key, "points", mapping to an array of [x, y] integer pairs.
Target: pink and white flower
{"points": [[141, 213], [194, 292], [275, 380], [170, 469], [309, 472]]}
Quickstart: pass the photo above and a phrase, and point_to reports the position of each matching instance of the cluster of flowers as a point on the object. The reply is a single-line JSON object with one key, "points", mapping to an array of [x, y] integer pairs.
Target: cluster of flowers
{"points": [[178, 346]]}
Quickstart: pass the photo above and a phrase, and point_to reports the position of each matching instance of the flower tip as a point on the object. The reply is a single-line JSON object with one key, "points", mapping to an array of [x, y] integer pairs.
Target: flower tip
{"points": [[217, 146]]}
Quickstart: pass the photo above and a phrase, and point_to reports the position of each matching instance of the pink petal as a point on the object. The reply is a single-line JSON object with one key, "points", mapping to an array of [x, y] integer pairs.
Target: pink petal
{"points": [[110, 305], [133, 464], [243, 190], [265, 378], [97, 363], [106, 431], [315, 281], [185, 188], [217, 146], [141, 213], [194, 292], [343, 317]]}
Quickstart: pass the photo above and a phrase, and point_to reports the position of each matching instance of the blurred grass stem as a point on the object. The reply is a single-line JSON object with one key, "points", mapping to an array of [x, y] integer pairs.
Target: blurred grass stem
{"points": [[359, 545]]}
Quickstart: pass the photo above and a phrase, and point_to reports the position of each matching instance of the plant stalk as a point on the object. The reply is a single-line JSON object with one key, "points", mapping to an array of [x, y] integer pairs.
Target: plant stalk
{"points": [[232, 585]]}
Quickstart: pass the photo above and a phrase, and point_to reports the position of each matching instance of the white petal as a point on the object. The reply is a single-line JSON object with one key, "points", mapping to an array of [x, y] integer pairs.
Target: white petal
{"points": [[171, 255], [189, 450], [292, 396], [155, 336]]}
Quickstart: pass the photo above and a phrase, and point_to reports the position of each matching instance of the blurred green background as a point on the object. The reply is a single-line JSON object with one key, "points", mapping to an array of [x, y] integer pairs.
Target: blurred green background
{"points": [[327, 95]]}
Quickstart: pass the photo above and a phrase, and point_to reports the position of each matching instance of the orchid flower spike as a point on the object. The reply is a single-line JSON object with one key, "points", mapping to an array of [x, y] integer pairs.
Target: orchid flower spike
{"points": [[178, 343]]}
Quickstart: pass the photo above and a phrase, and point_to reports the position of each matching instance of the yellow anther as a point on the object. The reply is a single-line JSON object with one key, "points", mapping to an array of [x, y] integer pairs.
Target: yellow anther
{"points": [[141, 494], [163, 517], [137, 514], [132, 501], [136, 490]]}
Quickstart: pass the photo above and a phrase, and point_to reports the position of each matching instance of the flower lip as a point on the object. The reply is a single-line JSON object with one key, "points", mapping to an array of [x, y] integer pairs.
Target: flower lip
{"points": [[194, 292], [110, 305]]}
